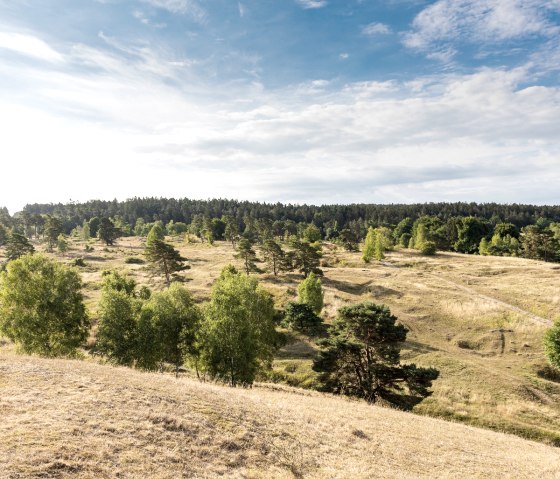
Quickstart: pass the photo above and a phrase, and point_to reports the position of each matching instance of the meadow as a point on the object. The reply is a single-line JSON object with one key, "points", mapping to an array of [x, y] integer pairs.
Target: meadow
{"points": [[478, 319]]}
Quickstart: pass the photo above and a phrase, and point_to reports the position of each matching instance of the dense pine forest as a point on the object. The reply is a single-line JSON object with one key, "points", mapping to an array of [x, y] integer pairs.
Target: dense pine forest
{"points": [[529, 231]]}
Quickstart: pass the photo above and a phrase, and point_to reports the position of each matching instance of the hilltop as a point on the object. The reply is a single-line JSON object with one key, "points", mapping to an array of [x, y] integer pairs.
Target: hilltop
{"points": [[68, 418]]}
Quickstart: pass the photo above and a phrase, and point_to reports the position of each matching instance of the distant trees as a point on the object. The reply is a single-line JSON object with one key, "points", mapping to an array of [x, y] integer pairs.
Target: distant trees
{"points": [[238, 335], [361, 356], [41, 306]]}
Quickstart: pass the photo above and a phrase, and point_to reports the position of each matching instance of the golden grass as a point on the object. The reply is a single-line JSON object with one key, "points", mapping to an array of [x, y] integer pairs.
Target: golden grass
{"points": [[454, 306], [77, 419]]}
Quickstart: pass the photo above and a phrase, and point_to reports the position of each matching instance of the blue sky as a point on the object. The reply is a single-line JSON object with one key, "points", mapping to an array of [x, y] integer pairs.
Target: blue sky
{"points": [[315, 101]]}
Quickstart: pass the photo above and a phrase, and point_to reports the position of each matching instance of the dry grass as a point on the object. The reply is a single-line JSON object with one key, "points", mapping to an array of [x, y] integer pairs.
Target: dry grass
{"points": [[63, 419], [452, 304]]}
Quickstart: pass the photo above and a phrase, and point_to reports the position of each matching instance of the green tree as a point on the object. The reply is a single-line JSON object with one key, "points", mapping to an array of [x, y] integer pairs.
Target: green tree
{"points": [[116, 333], [246, 253], [470, 231], [552, 345], [157, 233], [238, 336], [107, 231], [3, 235], [301, 317], [306, 257], [165, 260], [312, 234], [273, 255], [113, 280], [18, 246], [361, 356], [41, 306], [175, 321], [231, 230], [94, 226], [404, 227], [86, 235], [53, 229], [310, 292], [62, 244], [369, 245]]}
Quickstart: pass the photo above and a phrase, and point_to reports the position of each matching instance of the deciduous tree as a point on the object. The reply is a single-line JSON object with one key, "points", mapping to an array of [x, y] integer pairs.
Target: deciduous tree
{"points": [[41, 306]]}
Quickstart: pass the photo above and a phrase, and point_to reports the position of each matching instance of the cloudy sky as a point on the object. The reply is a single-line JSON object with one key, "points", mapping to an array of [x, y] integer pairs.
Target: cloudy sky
{"points": [[316, 101]]}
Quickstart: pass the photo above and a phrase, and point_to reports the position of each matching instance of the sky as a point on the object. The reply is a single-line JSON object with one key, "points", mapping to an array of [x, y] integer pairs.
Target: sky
{"points": [[297, 101]]}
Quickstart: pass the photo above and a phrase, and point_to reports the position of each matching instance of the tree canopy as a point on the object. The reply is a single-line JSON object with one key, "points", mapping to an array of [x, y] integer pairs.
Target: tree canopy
{"points": [[41, 306], [361, 356]]}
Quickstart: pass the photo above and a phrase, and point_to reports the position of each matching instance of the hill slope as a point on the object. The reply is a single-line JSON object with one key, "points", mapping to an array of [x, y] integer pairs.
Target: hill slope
{"points": [[79, 419]]}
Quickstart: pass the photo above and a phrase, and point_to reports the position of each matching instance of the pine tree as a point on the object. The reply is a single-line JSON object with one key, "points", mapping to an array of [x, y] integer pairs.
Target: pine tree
{"points": [[246, 253], [165, 260], [17, 246]]}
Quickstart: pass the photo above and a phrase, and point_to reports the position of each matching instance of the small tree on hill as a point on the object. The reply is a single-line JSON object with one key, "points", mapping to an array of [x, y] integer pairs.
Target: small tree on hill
{"points": [[238, 335], [301, 317], [165, 260], [17, 246], [361, 356], [116, 332], [107, 231], [310, 292], [174, 322], [41, 306]]}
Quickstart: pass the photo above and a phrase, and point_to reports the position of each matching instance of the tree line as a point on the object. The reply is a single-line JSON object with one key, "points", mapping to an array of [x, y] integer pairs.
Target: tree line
{"points": [[329, 218]]}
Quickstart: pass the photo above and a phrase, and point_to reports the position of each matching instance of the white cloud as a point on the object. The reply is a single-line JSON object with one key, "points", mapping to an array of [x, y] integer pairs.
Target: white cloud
{"points": [[344, 56], [242, 9], [183, 7], [446, 22], [30, 46], [309, 4], [133, 114], [376, 29]]}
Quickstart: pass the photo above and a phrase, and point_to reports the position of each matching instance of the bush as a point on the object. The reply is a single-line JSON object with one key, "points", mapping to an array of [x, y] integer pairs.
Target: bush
{"points": [[552, 345], [134, 260], [428, 248], [79, 262], [301, 317]]}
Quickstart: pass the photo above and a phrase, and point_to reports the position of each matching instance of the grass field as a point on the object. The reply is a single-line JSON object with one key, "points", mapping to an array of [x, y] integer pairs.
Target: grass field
{"points": [[479, 320], [78, 419]]}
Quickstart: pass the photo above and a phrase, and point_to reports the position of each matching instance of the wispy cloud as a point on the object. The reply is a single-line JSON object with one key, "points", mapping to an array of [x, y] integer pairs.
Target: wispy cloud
{"points": [[309, 4], [29, 45], [446, 22], [376, 29], [242, 9], [430, 139], [183, 7]]}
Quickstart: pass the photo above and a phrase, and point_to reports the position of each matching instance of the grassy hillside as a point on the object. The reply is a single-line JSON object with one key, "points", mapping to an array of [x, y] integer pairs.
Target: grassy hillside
{"points": [[78, 419], [479, 320]]}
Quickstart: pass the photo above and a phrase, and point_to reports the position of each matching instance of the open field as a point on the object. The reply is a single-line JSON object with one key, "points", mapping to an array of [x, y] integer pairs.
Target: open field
{"points": [[77, 419], [479, 320]]}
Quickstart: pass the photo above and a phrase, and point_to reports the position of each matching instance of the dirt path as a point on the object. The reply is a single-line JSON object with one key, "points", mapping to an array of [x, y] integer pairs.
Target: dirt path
{"points": [[466, 289], [511, 307]]}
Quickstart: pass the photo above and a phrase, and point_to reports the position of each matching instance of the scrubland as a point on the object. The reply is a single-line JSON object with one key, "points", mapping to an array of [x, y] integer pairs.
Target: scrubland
{"points": [[479, 320]]}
